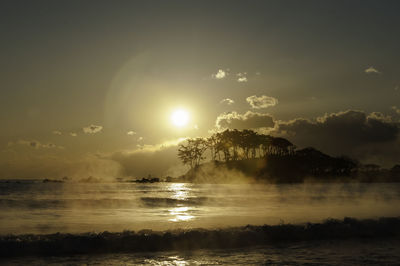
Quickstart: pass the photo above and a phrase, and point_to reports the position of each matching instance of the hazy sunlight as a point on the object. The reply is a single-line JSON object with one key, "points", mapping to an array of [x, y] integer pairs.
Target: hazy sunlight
{"points": [[180, 117]]}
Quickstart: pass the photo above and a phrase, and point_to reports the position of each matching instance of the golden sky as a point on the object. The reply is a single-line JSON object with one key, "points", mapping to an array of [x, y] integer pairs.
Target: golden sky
{"points": [[89, 87]]}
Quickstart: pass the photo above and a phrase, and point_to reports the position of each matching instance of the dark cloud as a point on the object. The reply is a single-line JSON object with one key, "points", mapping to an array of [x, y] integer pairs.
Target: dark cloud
{"points": [[250, 119], [345, 132], [155, 160]]}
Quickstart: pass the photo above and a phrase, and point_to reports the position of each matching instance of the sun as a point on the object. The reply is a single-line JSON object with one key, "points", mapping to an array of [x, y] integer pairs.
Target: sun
{"points": [[180, 117]]}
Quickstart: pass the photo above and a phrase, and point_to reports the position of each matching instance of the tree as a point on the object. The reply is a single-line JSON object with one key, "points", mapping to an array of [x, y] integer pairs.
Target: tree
{"points": [[266, 144], [282, 146], [211, 143], [192, 153]]}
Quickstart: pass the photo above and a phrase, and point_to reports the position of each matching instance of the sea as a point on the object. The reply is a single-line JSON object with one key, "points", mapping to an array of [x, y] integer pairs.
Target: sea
{"points": [[198, 224]]}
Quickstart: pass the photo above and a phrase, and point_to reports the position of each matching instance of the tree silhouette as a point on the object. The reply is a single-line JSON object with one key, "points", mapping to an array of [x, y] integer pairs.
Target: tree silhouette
{"points": [[192, 153], [211, 143], [279, 155]]}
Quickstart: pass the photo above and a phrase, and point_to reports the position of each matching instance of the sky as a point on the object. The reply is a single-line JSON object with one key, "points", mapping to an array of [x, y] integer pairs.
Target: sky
{"points": [[88, 87]]}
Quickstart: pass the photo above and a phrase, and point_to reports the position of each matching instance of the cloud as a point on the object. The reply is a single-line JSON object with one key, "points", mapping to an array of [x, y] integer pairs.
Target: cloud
{"points": [[242, 77], [220, 74], [158, 160], [370, 137], [348, 132], [371, 70], [39, 166], [92, 129], [250, 119], [34, 144], [262, 101], [131, 133], [141, 162], [56, 132], [140, 139], [227, 101], [73, 134]]}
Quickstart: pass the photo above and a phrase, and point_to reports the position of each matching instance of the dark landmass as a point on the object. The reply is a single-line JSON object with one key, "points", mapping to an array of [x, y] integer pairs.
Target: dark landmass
{"points": [[246, 156], [149, 241], [147, 180], [46, 180], [289, 169]]}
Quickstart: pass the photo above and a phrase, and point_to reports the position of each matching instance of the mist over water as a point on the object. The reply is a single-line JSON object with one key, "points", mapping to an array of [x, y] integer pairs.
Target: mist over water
{"points": [[36, 207]]}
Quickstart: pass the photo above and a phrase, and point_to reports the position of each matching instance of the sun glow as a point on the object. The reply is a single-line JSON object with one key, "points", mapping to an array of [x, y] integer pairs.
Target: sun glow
{"points": [[180, 118]]}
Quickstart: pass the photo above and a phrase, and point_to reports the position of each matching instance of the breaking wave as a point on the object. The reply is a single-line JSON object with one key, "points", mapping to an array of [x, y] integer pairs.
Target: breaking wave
{"points": [[237, 237]]}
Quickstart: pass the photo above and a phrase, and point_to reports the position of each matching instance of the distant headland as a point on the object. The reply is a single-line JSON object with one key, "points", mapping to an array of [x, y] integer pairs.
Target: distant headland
{"points": [[245, 155]]}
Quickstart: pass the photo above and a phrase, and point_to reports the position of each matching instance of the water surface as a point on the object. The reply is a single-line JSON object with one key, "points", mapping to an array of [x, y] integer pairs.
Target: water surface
{"points": [[36, 207]]}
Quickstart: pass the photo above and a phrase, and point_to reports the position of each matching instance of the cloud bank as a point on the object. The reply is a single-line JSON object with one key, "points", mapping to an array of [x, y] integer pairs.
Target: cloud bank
{"points": [[158, 160], [372, 137], [234, 120], [149, 160], [350, 132]]}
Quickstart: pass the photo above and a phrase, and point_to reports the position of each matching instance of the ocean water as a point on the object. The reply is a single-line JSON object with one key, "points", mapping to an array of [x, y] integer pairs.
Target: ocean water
{"points": [[34, 207]]}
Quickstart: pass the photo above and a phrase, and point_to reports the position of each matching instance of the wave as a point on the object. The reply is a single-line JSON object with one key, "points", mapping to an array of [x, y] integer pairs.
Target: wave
{"points": [[168, 202], [236, 237]]}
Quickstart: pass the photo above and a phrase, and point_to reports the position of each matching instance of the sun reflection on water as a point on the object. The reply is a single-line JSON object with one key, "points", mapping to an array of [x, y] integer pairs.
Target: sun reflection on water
{"points": [[180, 191], [181, 213], [171, 260]]}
